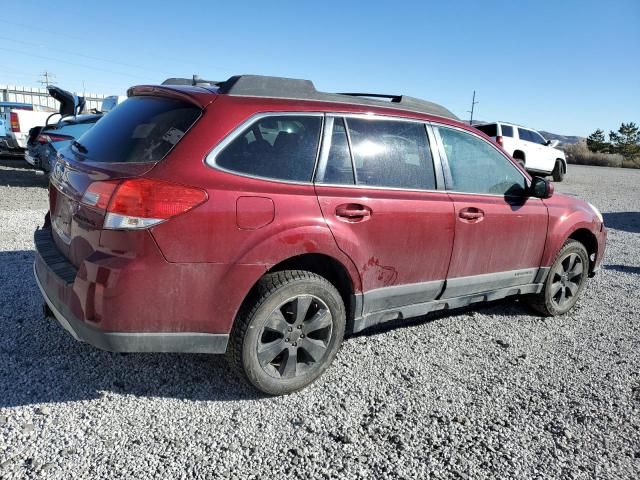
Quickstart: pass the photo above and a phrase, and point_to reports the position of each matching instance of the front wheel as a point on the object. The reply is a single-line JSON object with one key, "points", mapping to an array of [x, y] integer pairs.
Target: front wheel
{"points": [[565, 281], [288, 332], [558, 172]]}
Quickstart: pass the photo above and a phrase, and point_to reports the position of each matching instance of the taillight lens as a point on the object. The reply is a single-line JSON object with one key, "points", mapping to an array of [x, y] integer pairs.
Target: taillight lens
{"points": [[141, 203], [42, 138], [15, 123], [499, 141]]}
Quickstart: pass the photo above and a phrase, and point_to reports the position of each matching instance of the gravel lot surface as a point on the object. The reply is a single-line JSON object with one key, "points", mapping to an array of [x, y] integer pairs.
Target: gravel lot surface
{"points": [[487, 392]]}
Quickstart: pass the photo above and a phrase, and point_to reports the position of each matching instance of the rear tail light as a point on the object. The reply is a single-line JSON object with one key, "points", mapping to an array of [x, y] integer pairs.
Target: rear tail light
{"points": [[499, 141], [141, 203], [42, 139], [15, 122]]}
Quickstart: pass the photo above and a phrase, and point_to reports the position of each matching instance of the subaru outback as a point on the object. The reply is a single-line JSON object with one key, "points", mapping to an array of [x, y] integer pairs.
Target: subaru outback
{"points": [[263, 218]]}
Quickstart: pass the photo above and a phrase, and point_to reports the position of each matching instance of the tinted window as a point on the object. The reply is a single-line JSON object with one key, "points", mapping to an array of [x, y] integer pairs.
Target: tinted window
{"points": [[280, 147], [477, 167], [507, 131], [525, 135], [391, 154], [339, 169], [73, 130], [537, 138], [141, 129], [489, 130]]}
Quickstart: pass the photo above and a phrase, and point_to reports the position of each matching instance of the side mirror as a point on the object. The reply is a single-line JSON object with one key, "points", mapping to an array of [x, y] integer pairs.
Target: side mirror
{"points": [[552, 143], [540, 188]]}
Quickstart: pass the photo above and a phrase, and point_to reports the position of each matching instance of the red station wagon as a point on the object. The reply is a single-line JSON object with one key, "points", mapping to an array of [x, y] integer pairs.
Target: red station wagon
{"points": [[260, 217]]}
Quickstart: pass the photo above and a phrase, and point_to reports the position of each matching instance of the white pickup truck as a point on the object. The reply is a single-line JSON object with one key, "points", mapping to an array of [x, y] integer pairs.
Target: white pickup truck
{"points": [[530, 149], [16, 119]]}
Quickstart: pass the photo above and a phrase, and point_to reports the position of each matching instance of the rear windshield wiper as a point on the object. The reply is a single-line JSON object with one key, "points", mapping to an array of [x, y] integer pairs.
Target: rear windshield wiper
{"points": [[81, 148]]}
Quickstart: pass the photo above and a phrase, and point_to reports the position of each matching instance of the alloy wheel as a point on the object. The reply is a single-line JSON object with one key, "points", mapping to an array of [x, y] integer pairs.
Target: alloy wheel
{"points": [[295, 337], [566, 280]]}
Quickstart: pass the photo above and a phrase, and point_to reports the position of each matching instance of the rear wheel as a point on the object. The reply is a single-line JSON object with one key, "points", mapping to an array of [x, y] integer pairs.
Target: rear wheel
{"points": [[565, 281], [288, 332], [558, 172]]}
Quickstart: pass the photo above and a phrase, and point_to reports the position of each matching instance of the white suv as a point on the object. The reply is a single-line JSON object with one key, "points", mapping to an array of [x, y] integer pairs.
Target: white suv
{"points": [[530, 149]]}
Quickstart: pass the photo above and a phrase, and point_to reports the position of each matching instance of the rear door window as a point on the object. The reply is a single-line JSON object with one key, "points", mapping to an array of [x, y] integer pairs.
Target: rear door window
{"points": [[140, 130], [390, 153], [525, 135], [507, 130], [489, 130], [282, 147]]}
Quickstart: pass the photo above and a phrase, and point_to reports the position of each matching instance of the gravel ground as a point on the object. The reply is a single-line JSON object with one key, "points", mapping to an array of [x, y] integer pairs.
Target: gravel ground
{"points": [[486, 392]]}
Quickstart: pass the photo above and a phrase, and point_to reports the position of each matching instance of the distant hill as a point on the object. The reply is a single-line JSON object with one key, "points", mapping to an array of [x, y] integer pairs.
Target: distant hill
{"points": [[563, 139]]}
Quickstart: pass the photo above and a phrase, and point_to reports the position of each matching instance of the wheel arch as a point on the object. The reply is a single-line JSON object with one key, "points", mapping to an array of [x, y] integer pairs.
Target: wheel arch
{"points": [[328, 267], [563, 162], [519, 154], [590, 242]]}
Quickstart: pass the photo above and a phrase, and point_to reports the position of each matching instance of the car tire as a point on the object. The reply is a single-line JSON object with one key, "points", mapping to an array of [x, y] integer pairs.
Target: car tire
{"points": [[558, 172], [275, 348], [566, 280]]}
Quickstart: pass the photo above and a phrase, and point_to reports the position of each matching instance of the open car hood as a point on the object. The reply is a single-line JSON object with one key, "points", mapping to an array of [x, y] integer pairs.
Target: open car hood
{"points": [[70, 104]]}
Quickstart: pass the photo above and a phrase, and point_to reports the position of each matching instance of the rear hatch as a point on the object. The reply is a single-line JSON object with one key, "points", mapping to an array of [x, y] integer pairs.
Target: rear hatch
{"points": [[98, 177]]}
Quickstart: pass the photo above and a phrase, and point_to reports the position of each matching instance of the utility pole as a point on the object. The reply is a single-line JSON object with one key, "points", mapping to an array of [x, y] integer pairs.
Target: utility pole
{"points": [[47, 78], [473, 104]]}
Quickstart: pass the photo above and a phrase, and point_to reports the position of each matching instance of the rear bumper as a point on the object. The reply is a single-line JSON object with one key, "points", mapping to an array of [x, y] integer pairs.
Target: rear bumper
{"points": [[8, 143], [55, 276]]}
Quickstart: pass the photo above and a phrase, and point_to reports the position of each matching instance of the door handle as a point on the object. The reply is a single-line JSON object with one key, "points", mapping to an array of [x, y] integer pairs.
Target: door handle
{"points": [[471, 214], [353, 212]]}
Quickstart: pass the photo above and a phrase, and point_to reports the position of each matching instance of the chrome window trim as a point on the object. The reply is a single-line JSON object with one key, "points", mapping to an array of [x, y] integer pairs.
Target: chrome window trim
{"points": [[371, 187], [325, 148], [354, 170], [445, 160], [435, 158], [210, 158]]}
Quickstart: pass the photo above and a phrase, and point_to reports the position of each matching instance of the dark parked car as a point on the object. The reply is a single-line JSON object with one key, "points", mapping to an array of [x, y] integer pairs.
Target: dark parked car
{"points": [[45, 142], [261, 217]]}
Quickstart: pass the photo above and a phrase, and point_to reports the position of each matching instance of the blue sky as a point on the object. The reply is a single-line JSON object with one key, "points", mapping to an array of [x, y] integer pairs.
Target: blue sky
{"points": [[564, 66]]}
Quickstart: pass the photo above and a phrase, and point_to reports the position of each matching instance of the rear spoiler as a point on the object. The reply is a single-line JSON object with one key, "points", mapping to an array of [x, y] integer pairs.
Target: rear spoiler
{"points": [[194, 95]]}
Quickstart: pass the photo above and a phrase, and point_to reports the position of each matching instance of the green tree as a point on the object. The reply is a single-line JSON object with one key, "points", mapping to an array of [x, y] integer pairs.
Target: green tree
{"points": [[596, 142], [626, 141]]}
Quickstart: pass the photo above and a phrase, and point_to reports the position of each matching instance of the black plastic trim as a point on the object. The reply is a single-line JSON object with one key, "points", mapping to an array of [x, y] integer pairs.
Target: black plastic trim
{"points": [[52, 257]]}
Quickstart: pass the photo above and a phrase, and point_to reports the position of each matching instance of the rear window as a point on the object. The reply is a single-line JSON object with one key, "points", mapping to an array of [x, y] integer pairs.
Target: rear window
{"points": [[141, 129], [507, 131], [489, 130]]}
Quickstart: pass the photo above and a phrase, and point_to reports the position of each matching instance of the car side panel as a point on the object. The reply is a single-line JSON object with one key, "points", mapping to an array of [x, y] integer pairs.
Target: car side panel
{"points": [[566, 216], [509, 237]]}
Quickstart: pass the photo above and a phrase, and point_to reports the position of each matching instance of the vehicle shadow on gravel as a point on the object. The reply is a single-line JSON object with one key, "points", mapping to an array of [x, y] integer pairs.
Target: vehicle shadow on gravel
{"points": [[625, 221], [42, 363], [623, 269], [16, 172]]}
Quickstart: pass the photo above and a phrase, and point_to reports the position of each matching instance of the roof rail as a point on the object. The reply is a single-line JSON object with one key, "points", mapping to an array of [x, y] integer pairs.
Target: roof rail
{"points": [[292, 88]]}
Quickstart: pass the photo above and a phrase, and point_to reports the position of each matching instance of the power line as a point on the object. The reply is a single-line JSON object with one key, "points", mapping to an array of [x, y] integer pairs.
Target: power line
{"points": [[164, 58], [69, 52], [114, 72]]}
